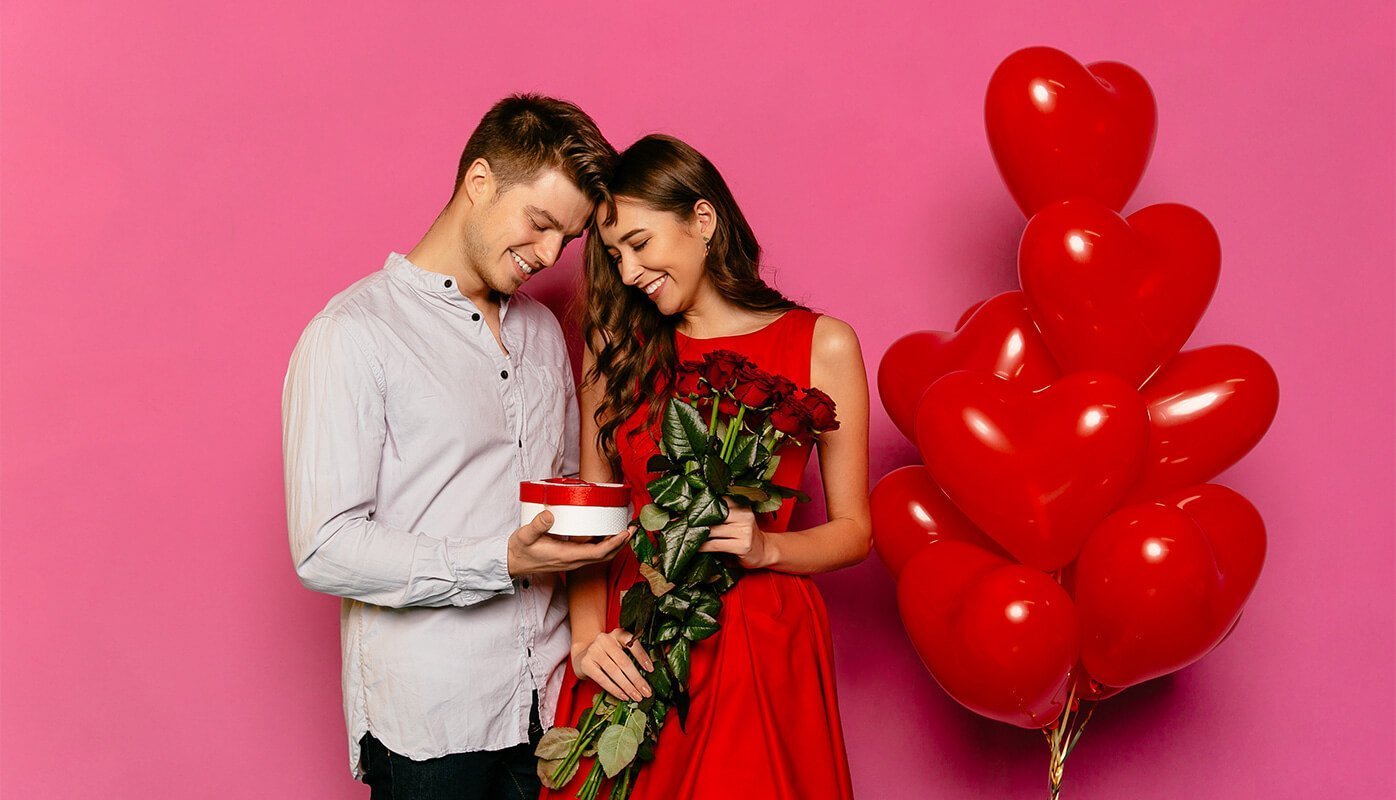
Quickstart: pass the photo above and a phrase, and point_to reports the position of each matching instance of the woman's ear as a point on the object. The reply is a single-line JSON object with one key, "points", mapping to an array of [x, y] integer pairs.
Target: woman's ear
{"points": [[705, 218]]}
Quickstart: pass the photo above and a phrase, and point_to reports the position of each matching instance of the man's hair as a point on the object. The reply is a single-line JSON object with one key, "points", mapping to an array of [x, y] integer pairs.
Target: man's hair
{"points": [[524, 134]]}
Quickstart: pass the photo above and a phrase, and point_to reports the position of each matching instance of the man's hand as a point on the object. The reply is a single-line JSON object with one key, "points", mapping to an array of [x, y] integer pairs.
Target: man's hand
{"points": [[532, 550]]}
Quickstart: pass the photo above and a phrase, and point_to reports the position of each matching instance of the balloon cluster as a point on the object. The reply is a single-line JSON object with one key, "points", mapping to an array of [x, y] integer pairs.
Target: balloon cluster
{"points": [[1061, 542]]}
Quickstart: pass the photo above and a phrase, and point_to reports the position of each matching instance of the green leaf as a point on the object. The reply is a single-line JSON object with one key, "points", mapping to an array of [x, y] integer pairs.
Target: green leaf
{"points": [[643, 547], [768, 506], [659, 463], [743, 453], [637, 606], [636, 723], [660, 680], [708, 601], [754, 495], [678, 663], [701, 569], [700, 625], [657, 716], [653, 518], [717, 473], [685, 435], [681, 707], [556, 743], [616, 748], [547, 772], [674, 604], [668, 629], [686, 547], [671, 492], [726, 578], [770, 468], [707, 509]]}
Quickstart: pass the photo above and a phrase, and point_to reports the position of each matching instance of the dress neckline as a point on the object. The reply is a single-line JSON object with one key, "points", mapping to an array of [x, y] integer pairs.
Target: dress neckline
{"points": [[765, 327]]}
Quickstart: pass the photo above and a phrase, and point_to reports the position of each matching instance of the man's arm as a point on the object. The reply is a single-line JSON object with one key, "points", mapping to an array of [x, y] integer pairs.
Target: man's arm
{"points": [[571, 429], [333, 431]]}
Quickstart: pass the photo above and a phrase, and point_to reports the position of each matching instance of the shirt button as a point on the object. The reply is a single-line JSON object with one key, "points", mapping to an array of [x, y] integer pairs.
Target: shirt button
{"points": [[448, 283], [504, 373], [475, 317]]}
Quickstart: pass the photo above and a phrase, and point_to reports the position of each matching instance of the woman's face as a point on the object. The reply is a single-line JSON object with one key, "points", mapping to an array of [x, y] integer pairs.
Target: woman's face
{"points": [[660, 254]]}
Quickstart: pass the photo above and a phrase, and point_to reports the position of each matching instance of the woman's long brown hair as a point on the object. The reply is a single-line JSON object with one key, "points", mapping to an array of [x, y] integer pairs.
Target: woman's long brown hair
{"points": [[633, 343]]}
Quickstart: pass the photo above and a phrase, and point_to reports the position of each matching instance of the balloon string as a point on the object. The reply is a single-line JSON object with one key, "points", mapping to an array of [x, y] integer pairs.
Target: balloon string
{"points": [[1062, 737]]}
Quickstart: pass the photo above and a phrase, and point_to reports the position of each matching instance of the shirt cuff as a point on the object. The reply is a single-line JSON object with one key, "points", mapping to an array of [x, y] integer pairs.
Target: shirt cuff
{"points": [[481, 567]]}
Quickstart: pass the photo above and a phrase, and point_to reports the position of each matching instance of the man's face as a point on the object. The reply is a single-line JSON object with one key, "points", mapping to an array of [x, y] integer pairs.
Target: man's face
{"points": [[521, 231]]}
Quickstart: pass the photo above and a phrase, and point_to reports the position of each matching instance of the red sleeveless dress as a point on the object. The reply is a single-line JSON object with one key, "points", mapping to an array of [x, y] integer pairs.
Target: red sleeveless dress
{"points": [[764, 719]]}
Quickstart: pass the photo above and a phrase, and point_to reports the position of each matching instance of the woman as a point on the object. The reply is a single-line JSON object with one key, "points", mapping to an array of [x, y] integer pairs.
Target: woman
{"points": [[672, 273]]}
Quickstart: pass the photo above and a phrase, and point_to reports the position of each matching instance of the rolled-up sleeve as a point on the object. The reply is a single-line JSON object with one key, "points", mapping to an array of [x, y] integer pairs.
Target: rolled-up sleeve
{"points": [[333, 433]]}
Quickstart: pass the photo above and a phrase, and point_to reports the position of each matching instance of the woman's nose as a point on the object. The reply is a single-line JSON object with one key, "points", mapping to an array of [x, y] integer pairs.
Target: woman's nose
{"points": [[630, 273]]}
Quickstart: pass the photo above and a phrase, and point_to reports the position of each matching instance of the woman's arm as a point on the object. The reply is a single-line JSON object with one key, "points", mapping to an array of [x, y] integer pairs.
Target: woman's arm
{"points": [[836, 367], [596, 653]]}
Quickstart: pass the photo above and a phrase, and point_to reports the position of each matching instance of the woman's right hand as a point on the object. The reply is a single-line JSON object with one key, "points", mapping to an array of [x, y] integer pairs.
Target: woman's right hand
{"points": [[607, 660]]}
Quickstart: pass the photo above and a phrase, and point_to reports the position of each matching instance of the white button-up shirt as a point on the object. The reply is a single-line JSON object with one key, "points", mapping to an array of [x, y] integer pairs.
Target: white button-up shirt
{"points": [[406, 433]]}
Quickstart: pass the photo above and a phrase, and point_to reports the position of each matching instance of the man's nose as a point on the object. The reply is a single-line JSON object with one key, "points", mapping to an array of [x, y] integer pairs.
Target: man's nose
{"points": [[548, 251]]}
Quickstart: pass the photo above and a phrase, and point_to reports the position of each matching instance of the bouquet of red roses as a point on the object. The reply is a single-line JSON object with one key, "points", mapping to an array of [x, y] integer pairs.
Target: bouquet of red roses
{"points": [[722, 433]]}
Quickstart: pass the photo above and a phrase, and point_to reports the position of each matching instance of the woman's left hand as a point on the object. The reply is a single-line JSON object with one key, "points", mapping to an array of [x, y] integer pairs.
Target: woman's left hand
{"points": [[742, 537]]}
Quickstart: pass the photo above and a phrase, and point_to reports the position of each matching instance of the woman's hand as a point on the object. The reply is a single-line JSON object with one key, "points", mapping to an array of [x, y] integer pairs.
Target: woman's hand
{"points": [[607, 660], [742, 537]]}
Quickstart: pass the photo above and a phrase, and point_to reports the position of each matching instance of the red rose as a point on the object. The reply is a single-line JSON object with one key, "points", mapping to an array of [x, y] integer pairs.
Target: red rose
{"points": [[689, 379], [783, 388], [720, 368], [821, 410], [791, 417], [754, 387], [727, 406]]}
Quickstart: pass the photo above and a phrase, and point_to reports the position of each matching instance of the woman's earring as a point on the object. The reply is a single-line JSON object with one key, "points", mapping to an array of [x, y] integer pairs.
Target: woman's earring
{"points": [[705, 244]]}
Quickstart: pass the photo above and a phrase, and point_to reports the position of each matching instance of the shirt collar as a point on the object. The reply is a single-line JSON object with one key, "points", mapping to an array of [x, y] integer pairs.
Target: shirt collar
{"points": [[430, 282]]}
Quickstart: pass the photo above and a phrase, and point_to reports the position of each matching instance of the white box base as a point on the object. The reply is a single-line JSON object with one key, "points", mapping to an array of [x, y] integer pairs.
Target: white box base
{"points": [[580, 520]]}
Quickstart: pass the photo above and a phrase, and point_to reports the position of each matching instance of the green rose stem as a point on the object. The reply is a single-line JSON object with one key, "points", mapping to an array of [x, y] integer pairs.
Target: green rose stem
{"points": [[732, 433]]}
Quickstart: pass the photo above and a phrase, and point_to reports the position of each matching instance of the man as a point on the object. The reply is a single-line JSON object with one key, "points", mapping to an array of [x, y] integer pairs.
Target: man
{"points": [[414, 405]]}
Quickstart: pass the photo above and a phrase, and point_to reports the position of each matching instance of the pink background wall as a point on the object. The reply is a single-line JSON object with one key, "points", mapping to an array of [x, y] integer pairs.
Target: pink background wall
{"points": [[185, 184]]}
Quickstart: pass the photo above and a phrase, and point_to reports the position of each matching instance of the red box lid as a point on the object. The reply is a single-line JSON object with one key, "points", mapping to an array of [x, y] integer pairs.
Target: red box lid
{"points": [[574, 492]]}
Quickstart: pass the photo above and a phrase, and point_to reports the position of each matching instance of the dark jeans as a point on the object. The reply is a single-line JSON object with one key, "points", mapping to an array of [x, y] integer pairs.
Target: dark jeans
{"points": [[510, 774]]}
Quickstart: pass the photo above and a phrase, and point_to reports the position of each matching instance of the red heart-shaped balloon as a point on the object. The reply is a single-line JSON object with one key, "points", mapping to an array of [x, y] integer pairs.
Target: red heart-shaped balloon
{"points": [[1207, 409], [1114, 294], [999, 637], [1088, 688], [1159, 584], [909, 511], [1036, 471], [1060, 130], [999, 337], [968, 312]]}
